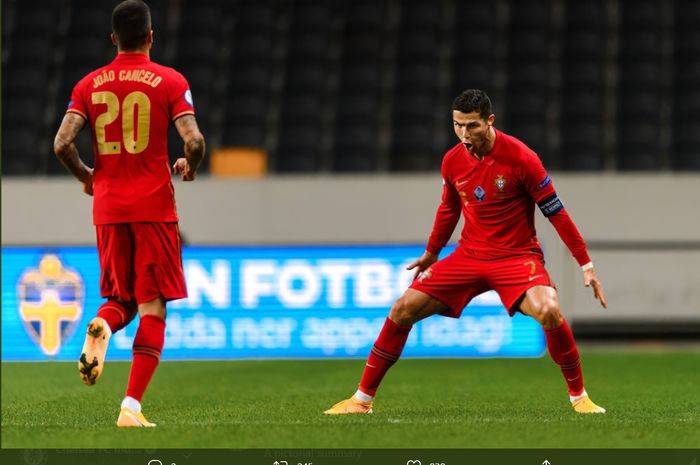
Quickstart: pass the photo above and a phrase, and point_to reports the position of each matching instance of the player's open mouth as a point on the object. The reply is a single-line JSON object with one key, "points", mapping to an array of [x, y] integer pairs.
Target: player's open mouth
{"points": [[468, 145]]}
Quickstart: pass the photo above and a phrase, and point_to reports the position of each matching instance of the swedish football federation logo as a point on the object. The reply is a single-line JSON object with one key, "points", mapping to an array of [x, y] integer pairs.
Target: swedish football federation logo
{"points": [[50, 303]]}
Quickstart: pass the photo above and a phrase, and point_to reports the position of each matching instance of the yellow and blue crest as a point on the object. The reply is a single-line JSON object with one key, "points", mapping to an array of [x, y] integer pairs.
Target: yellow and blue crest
{"points": [[50, 303]]}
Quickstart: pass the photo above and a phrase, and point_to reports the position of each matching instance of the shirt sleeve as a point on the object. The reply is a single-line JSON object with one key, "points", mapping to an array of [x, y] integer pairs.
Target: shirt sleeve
{"points": [[447, 215], [181, 102], [539, 186], [77, 103]]}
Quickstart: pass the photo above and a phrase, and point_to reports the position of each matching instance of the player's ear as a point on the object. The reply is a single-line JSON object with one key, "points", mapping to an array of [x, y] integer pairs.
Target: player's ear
{"points": [[491, 119], [149, 39], [114, 39]]}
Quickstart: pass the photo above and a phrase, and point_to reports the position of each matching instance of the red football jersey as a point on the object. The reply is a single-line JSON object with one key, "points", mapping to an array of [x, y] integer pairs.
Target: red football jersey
{"points": [[497, 196], [129, 105]]}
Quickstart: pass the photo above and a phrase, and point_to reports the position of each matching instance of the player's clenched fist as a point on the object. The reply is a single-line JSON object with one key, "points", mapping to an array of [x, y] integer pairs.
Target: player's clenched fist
{"points": [[182, 167], [87, 182]]}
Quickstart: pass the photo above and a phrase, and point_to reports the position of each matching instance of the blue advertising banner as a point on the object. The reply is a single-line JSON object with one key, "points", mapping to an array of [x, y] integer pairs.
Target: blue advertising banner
{"points": [[251, 302]]}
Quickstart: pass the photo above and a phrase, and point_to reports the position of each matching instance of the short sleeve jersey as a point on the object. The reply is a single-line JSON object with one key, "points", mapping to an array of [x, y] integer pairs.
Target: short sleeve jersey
{"points": [[497, 196], [129, 105]]}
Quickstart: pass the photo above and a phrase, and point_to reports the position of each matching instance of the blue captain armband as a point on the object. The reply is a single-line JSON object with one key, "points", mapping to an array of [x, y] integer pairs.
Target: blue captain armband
{"points": [[551, 205]]}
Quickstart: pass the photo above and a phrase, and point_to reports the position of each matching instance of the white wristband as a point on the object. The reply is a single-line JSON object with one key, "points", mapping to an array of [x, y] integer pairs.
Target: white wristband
{"points": [[587, 266]]}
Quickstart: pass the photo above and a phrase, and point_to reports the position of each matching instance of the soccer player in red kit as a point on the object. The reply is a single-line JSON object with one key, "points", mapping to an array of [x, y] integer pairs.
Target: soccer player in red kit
{"points": [[495, 181], [128, 105]]}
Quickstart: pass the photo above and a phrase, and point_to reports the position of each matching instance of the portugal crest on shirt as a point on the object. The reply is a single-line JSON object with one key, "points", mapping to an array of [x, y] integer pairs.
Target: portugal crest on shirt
{"points": [[500, 182], [50, 303]]}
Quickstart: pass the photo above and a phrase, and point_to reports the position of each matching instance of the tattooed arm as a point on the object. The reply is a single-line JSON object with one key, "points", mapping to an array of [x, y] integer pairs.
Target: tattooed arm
{"points": [[194, 147], [67, 153]]}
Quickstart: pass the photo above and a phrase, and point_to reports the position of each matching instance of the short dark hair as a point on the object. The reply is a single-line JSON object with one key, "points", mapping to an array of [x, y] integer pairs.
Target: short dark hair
{"points": [[473, 100], [131, 23]]}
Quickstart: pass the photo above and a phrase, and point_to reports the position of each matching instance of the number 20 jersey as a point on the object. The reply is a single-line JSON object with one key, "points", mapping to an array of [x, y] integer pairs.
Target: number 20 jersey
{"points": [[129, 105]]}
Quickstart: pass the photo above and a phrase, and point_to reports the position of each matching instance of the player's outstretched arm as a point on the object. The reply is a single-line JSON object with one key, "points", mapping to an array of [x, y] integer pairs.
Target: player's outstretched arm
{"points": [[67, 153], [591, 280], [194, 147]]}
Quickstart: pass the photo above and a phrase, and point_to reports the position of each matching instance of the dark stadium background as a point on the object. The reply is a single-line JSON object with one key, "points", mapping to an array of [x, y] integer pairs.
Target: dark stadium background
{"points": [[362, 86]]}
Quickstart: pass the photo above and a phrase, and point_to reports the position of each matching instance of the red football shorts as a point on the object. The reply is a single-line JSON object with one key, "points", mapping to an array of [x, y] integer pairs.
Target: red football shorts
{"points": [[459, 277], [141, 261]]}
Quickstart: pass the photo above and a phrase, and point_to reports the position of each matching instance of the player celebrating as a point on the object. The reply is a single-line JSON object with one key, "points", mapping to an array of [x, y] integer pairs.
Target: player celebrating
{"points": [[129, 104], [495, 180]]}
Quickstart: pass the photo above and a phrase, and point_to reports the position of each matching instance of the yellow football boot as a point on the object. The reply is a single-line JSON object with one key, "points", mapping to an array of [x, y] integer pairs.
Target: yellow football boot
{"points": [[350, 405], [586, 405], [92, 357], [128, 419]]}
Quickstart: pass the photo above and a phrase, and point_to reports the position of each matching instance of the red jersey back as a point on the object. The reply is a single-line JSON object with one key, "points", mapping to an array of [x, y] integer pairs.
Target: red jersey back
{"points": [[129, 105], [497, 196]]}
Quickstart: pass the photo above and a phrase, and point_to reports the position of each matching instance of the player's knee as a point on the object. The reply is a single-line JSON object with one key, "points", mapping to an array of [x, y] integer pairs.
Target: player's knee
{"points": [[130, 308], [155, 307], [549, 314], [402, 312]]}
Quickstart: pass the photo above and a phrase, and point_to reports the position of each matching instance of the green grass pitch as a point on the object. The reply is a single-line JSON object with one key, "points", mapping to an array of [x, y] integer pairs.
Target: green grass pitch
{"points": [[651, 398]]}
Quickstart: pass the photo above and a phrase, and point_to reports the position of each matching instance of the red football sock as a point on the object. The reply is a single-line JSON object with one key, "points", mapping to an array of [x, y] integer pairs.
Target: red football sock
{"points": [[386, 351], [116, 314], [148, 344], [562, 348]]}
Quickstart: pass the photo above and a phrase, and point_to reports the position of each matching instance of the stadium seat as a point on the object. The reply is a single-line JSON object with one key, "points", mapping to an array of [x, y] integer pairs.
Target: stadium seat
{"points": [[298, 149], [25, 79], [638, 145], [420, 15], [256, 14], [190, 46], [526, 103], [361, 44], [582, 73], [244, 133], [89, 18], [685, 125], [307, 105], [365, 14], [202, 17], [358, 105], [251, 45], [582, 145], [363, 75], [417, 44], [418, 74], [254, 76], [305, 75], [32, 50], [307, 45], [686, 136], [533, 132], [412, 145], [414, 104], [355, 147], [19, 148], [25, 109], [586, 103], [312, 15]]}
